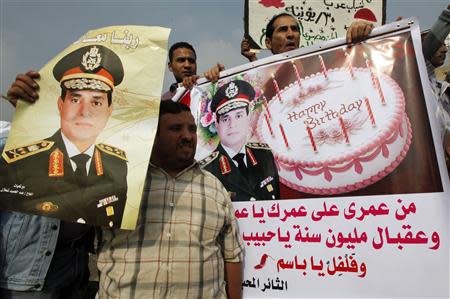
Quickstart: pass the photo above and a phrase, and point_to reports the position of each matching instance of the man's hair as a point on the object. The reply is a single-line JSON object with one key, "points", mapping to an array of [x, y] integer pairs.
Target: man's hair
{"points": [[178, 46], [270, 29], [64, 92], [169, 106], [172, 107]]}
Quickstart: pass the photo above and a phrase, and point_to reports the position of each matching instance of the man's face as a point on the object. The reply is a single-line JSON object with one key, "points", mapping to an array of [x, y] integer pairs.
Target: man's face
{"points": [[439, 57], [233, 128], [183, 64], [286, 35], [84, 114], [176, 140]]}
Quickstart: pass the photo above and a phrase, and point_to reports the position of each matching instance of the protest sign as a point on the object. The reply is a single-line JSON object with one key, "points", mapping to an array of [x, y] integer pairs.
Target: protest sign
{"points": [[349, 136], [81, 152], [319, 20]]}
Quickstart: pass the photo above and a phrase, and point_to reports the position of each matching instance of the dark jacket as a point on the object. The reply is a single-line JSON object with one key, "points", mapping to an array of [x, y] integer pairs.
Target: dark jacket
{"points": [[261, 181], [39, 179]]}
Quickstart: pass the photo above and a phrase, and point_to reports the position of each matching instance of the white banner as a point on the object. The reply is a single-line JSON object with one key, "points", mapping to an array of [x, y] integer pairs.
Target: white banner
{"points": [[357, 149]]}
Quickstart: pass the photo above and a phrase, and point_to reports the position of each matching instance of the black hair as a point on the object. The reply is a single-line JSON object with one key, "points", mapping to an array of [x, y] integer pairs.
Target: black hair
{"points": [[108, 94], [270, 29], [179, 45], [172, 107]]}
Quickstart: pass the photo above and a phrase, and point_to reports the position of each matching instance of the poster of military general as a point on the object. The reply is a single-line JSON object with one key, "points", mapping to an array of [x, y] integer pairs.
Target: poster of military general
{"points": [[81, 152], [333, 159]]}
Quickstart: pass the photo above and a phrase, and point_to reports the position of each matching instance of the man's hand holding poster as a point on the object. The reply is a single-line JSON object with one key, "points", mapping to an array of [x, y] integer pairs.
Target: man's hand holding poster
{"points": [[81, 152], [345, 131]]}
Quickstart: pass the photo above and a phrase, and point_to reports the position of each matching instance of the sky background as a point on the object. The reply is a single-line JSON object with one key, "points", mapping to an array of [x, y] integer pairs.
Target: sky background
{"points": [[32, 32]]}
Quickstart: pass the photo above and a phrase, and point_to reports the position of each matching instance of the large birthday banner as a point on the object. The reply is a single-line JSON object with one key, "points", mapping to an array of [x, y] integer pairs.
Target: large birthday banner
{"points": [[343, 191], [319, 20]]}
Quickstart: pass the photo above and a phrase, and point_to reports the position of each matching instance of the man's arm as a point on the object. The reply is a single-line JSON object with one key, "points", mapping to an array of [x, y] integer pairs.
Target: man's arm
{"points": [[233, 278], [436, 37], [212, 75], [246, 51]]}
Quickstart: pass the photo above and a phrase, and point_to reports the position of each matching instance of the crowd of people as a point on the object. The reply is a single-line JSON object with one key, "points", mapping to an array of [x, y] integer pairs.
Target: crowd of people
{"points": [[186, 243]]}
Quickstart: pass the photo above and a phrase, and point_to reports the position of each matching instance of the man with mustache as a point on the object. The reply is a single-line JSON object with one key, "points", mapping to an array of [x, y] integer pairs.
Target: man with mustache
{"points": [[68, 175], [283, 34], [186, 243], [247, 170]]}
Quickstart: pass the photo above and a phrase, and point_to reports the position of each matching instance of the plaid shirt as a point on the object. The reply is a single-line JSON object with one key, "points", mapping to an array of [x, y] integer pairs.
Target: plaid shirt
{"points": [[186, 230]]}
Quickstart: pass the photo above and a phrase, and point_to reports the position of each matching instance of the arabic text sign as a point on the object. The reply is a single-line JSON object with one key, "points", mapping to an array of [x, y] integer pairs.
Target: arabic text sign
{"points": [[39, 173], [319, 20], [388, 237]]}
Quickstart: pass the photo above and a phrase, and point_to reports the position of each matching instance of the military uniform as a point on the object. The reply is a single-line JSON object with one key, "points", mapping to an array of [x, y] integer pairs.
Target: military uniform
{"points": [[256, 178], [260, 182], [41, 180]]}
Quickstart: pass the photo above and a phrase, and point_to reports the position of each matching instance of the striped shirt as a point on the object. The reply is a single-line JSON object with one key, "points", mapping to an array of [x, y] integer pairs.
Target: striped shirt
{"points": [[186, 230]]}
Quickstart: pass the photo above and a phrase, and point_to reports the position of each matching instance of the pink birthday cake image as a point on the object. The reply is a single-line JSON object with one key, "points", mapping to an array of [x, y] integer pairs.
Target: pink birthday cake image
{"points": [[336, 131]]}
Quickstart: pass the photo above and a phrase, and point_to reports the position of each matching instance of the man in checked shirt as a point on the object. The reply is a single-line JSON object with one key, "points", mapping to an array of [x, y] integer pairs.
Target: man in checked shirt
{"points": [[186, 243]]}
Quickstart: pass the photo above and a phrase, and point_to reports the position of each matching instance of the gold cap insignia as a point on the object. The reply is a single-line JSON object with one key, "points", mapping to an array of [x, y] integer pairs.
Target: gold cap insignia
{"points": [[47, 207], [92, 59]]}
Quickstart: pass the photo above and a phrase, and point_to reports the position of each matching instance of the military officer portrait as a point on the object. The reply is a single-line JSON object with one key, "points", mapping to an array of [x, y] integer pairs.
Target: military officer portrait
{"points": [[69, 175], [246, 169]]}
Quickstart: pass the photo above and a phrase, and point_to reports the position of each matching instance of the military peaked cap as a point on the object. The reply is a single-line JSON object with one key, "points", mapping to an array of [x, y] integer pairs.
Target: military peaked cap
{"points": [[93, 67], [233, 95]]}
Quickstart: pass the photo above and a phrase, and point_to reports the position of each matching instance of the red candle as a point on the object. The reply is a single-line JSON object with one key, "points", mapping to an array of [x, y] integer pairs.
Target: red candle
{"points": [[350, 67], [369, 66], [277, 89], [344, 129], [324, 69], [380, 91], [266, 106], [311, 138], [296, 73], [369, 111], [268, 124], [284, 136]]}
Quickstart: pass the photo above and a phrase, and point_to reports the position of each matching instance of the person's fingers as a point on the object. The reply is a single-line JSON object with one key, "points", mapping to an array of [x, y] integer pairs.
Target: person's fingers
{"points": [[33, 74], [29, 79], [348, 35], [23, 88], [189, 82], [353, 33], [361, 30], [16, 92], [220, 66], [209, 75], [367, 31]]}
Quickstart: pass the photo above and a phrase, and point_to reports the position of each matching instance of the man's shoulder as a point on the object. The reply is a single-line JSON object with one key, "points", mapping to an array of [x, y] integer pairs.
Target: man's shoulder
{"points": [[112, 151], [258, 145], [209, 159], [27, 151]]}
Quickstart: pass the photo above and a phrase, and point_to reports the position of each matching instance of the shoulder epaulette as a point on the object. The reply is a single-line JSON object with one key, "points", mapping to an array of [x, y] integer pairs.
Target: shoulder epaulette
{"points": [[208, 159], [22, 152], [111, 150], [258, 145]]}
